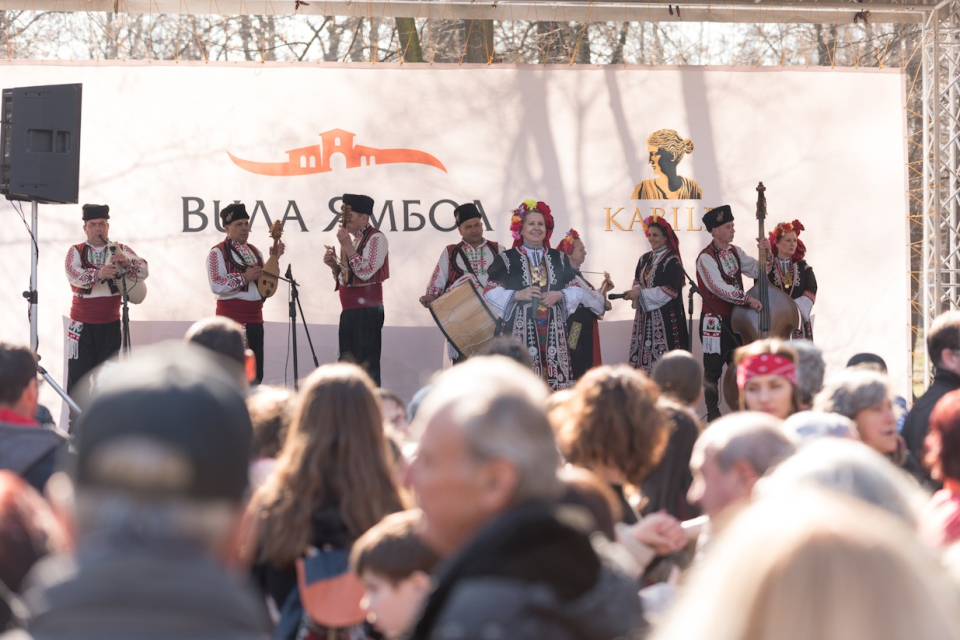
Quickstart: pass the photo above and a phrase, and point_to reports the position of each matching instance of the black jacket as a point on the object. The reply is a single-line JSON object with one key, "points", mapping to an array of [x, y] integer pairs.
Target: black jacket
{"points": [[30, 452], [530, 573], [916, 424]]}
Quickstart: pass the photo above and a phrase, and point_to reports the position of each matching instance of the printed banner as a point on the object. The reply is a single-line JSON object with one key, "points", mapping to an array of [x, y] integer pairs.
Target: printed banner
{"points": [[168, 145]]}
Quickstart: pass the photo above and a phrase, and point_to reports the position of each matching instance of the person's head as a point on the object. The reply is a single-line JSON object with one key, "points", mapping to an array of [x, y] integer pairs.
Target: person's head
{"points": [[869, 361], [660, 234], [784, 241], [355, 211], [943, 341], [469, 223], [863, 396], [531, 222], [585, 489], [28, 531], [225, 338], [335, 452], [680, 376], [573, 246], [666, 149], [942, 443], [767, 378], [509, 347], [271, 412], [848, 467], [394, 410], [810, 370], [719, 223], [731, 455], [613, 426], [96, 223], [486, 446], [236, 222], [395, 567], [19, 385], [806, 426], [162, 451], [816, 566]]}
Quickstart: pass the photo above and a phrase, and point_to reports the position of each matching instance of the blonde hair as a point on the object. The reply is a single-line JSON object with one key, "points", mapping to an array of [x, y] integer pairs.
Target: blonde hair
{"points": [[670, 140], [815, 566], [335, 453]]}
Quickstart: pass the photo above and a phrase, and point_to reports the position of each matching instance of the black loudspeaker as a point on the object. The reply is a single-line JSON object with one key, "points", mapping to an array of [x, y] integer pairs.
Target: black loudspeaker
{"points": [[40, 143]]}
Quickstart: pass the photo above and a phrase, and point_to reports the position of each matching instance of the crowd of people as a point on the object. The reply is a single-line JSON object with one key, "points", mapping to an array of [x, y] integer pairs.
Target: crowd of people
{"points": [[190, 502]]}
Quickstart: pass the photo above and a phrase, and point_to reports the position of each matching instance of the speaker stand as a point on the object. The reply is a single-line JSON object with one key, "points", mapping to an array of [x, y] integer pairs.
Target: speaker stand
{"points": [[31, 295]]}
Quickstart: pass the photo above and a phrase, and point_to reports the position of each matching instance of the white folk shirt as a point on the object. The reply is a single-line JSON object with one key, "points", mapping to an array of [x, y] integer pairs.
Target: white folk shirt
{"points": [[480, 259], [229, 286], [77, 276]]}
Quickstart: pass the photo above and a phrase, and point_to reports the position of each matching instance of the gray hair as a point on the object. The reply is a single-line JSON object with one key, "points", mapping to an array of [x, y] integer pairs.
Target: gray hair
{"points": [[806, 426], [851, 391], [810, 369], [498, 406], [748, 435], [850, 468]]}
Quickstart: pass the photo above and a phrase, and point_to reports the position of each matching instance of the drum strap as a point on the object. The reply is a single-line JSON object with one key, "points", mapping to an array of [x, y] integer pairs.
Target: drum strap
{"points": [[466, 262]]}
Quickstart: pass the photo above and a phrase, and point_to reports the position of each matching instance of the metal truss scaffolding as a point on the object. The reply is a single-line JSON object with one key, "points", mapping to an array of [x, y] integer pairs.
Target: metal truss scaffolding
{"points": [[940, 275]]}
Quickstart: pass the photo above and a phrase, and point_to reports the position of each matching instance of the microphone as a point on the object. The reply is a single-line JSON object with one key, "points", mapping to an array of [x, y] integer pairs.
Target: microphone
{"points": [[289, 273], [616, 296]]}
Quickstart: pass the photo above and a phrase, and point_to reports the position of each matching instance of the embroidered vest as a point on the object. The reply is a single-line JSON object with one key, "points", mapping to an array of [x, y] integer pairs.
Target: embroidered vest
{"points": [[720, 307], [381, 274], [233, 265], [84, 250], [455, 271]]}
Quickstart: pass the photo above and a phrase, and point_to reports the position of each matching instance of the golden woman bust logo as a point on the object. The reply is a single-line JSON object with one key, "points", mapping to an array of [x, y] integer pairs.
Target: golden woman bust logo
{"points": [[666, 149]]}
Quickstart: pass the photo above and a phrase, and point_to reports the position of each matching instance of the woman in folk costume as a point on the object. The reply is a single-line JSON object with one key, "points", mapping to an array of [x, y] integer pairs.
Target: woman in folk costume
{"points": [[533, 289], [661, 324], [583, 330], [789, 272]]}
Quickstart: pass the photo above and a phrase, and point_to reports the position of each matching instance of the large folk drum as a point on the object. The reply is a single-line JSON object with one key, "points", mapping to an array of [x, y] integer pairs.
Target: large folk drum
{"points": [[464, 318]]}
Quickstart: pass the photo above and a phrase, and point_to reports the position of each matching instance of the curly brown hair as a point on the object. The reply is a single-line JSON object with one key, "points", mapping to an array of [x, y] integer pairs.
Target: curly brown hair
{"points": [[612, 419], [335, 450]]}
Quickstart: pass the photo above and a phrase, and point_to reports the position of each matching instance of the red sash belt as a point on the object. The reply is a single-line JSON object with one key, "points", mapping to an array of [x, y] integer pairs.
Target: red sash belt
{"points": [[242, 311], [99, 310], [361, 297]]}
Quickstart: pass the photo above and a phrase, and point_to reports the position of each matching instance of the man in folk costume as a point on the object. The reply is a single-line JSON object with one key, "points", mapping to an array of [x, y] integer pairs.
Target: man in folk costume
{"points": [[233, 268], [94, 331], [533, 289], [583, 325], [470, 258], [660, 324], [359, 277], [720, 270], [789, 272]]}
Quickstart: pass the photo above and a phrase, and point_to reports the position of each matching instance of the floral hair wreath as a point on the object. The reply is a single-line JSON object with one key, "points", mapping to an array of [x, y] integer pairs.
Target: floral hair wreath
{"points": [[566, 245], [781, 230], [516, 220]]}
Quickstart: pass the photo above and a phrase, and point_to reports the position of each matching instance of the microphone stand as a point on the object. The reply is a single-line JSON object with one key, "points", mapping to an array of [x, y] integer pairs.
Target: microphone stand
{"points": [[294, 305], [695, 289]]}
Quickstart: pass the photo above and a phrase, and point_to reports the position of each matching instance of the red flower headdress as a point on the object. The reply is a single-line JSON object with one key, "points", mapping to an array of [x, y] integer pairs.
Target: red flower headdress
{"points": [[566, 245], [672, 242], [783, 228], [516, 221]]}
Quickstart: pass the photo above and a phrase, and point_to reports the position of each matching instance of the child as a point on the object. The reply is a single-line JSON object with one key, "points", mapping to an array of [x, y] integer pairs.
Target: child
{"points": [[394, 566]]}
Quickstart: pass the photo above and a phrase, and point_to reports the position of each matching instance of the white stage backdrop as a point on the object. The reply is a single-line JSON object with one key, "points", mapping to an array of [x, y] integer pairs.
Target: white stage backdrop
{"points": [[167, 145]]}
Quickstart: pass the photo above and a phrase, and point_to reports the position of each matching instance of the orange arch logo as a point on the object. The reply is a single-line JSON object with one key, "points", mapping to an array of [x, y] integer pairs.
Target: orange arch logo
{"points": [[318, 158]]}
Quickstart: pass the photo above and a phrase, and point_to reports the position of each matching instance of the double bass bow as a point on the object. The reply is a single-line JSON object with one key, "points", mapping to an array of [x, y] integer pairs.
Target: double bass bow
{"points": [[778, 316]]}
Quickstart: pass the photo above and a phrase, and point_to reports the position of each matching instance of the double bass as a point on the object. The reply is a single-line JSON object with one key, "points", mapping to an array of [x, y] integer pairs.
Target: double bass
{"points": [[777, 318]]}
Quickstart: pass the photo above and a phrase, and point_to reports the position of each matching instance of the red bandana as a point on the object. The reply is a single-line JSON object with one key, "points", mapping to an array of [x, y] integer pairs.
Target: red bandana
{"points": [[766, 364]]}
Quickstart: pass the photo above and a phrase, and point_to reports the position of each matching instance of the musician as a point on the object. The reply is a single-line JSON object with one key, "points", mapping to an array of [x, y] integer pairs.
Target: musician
{"points": [[533, 289], [660, 324], [720, 270], [789, 272], [469, 258], [583, 326], [359, 275], [233, 268], [94, 331]]}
